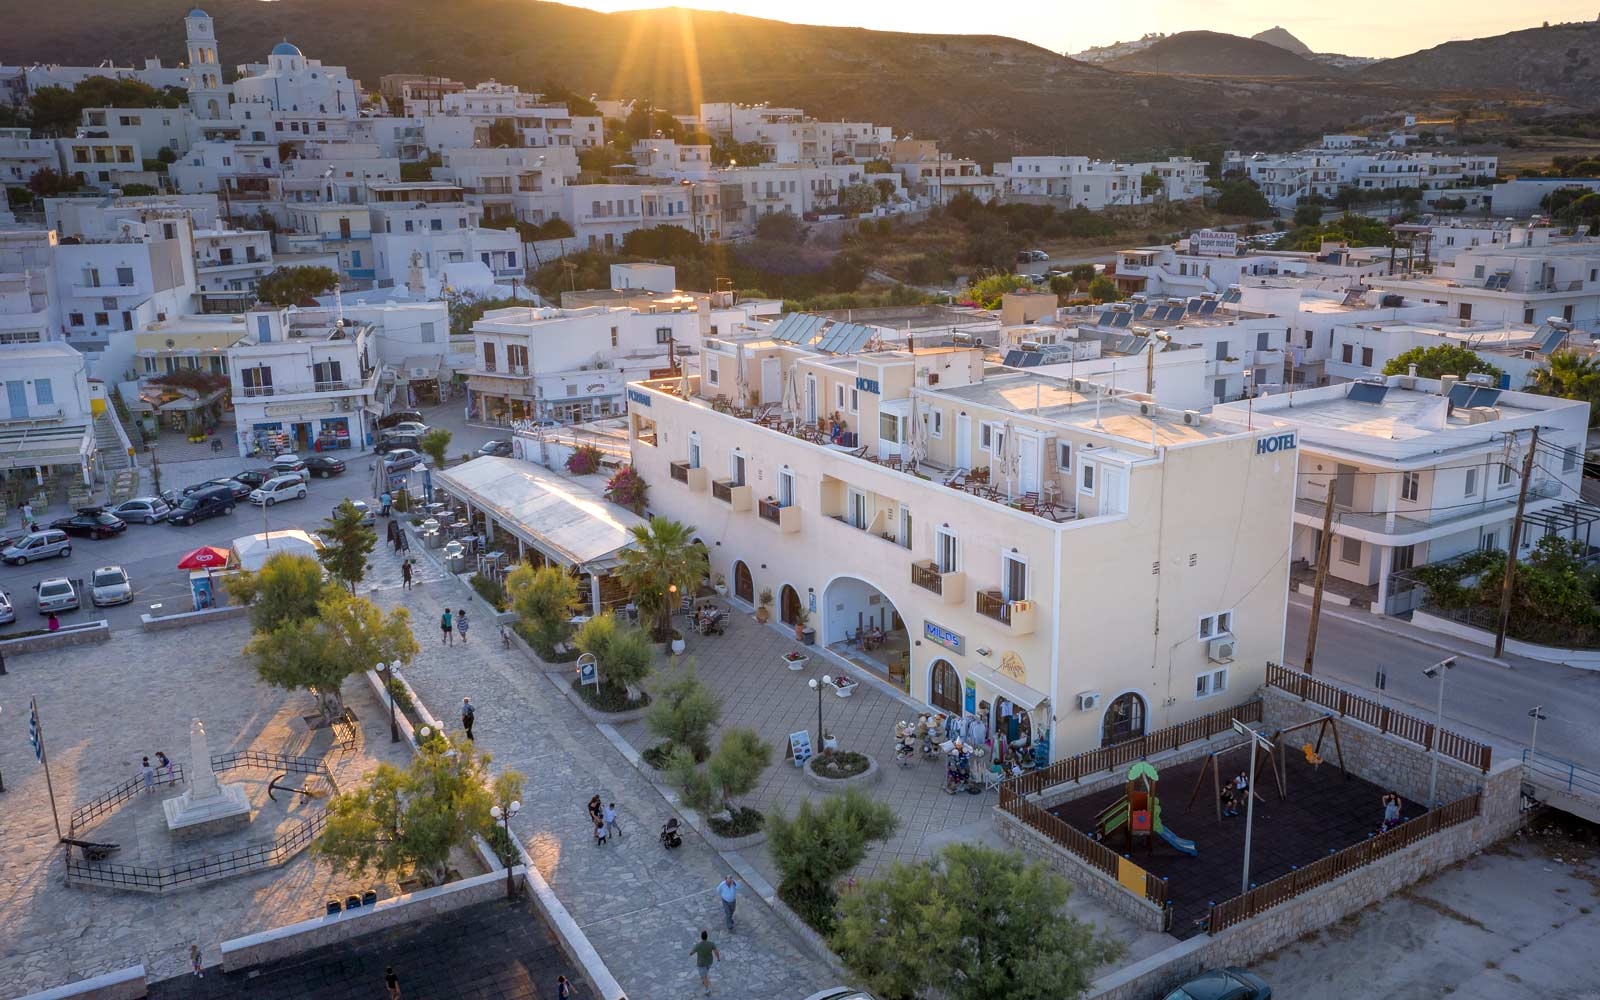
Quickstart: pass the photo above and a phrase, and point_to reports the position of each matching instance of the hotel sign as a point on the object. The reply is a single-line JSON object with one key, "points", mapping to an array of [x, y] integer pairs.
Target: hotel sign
{"points": [[868, 385], [638, 396], [939, 635], [1275, 443]]}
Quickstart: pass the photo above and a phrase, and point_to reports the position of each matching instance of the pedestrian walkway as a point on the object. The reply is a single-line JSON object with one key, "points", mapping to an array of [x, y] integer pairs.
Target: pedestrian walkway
{"points": [[640, 905]]}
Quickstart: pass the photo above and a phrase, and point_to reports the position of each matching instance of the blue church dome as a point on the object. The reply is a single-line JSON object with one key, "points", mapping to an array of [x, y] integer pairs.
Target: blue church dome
{"points": [[197, 12], [285, 49]]}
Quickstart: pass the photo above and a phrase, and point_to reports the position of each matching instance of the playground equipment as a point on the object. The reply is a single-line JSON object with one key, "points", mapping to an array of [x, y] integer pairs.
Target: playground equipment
{"points": [[1275, 761], [1138, 814], [1326, 726]]}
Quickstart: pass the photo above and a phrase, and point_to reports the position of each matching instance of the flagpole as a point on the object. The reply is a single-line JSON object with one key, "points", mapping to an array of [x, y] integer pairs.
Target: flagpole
{"points": [[44, 758]]}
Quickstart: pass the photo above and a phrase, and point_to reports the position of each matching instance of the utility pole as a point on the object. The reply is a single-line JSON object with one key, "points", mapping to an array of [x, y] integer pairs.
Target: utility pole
{"points": [[1324, 552], [1511, 550]]}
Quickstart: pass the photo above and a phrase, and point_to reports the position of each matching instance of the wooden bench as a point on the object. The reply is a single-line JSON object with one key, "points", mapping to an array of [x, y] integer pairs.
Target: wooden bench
{"points": [[345, 729]]}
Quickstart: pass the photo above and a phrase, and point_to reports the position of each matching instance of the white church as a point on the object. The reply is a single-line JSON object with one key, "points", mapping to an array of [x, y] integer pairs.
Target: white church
{"points": [[287, 86]]}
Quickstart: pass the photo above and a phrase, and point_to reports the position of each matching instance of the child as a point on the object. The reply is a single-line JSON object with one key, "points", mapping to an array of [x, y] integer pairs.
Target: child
{"points": [[1228, 806], [194, 960], [600, 834]]}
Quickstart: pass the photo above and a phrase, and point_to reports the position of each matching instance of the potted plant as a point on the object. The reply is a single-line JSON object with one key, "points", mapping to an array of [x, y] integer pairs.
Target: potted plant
{"points": [[801, 617], [721, 585], [844, 686], [764, 605], [677, 642], [795, 660]]}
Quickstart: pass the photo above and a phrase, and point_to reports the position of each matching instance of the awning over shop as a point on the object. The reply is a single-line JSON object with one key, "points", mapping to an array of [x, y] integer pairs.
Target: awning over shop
{"points": [[1018, 693], [44, 445], [567, 522], [253, 551]]}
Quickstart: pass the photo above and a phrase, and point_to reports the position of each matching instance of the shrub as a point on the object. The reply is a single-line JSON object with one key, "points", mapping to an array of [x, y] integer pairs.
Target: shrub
{"points": [[819, 844], [839, 765], [585, 459], [658, 755], [623, 654], [606, 698], [691, 781], [741, 822], [684, 710], [544, 599], [627, 489], [490, 590]]}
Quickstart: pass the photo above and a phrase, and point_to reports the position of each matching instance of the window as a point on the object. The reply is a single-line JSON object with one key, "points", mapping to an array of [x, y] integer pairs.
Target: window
{"points": [[1366, 357], [125, 275], [1013, 577], [437, 225], [786, 488], [572, 390], [1350, 550], [614, 336], [839, 391], [102, 319], [1086, 479], [1220, 623], [1472, 482], [43, 392], [1507, 474], [936, 423], [488, 357], [716, 375], [1464, 310], [694, 449], [1569, 459], [945, 550], [889, 427], [427, 333], [1527, 316], [1261, 341], [75, 319], [257, 381], [1487, 542], [663, 334], [1348, 353], [1212, 682], [736, 468], [1405, 556], [856, 510], [1410, 486]]}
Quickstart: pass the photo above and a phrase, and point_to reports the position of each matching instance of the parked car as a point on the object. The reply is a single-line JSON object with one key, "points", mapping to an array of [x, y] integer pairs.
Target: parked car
{"points": [[110, 585], [36, 545], [11, 536], [407, 427], [394, 417], [1231, 983], [279, 488], [289, 462], [498, 449], [91, 522], [322, 466], [213, 501], [403, 458], [145, 510], [395, 442], [8, 614], [56, 594], [1029, 256], [368, 517], [254, 477], [238, 489], [840, 993]]}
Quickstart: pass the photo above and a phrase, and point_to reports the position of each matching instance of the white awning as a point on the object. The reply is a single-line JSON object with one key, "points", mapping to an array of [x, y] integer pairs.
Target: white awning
{"points": [[29, 445], [253, 551], [1010, 688]]}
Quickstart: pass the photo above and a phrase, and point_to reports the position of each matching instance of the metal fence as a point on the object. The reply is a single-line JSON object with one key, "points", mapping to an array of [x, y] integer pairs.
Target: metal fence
{"points": [[1381, 717], [107, 802], [1545, 771], [1300, 880]]}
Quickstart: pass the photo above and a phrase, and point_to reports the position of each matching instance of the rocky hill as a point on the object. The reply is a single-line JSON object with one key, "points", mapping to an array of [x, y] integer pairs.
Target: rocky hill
{"points": [[1283, 40], [1562, 60], [1211, 53]]}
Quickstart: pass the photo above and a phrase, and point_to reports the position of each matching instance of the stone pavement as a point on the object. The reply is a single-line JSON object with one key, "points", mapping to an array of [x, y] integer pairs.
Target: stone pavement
{"points": [[640, 905], [491, 951]]}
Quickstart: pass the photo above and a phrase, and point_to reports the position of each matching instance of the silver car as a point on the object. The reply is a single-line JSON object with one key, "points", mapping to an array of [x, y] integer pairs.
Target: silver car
{"points": [[110, 585], [368, 518], [36, 545], [56, 594], [8, 614], [144, 510]]}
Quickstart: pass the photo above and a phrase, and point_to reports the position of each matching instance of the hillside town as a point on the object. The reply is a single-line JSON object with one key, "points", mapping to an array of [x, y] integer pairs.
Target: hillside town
{"points": [[856, 538]]}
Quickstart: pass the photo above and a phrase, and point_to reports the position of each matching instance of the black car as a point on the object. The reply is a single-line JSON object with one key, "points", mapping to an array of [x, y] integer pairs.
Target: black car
{"points": [[1231, 983], [322, 466], [93, 522], [498, 449], [395, 442], [254, 477], [239, 489]]}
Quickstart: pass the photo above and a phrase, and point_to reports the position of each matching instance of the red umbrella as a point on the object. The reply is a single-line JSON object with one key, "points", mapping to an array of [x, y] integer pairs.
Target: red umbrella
{"points": [[205, 557]]}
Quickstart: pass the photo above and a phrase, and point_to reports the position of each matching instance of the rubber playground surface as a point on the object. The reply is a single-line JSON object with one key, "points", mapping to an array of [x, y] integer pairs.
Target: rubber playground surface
{"points": [[1323, 813]]}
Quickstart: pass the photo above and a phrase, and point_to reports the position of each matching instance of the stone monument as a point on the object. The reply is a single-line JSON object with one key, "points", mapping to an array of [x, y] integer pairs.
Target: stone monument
{"points": [[208, 807]]}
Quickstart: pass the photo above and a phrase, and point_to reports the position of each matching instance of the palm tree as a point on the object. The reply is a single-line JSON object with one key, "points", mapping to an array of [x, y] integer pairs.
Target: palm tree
{"points": [[1571, 375], [663, 557]]}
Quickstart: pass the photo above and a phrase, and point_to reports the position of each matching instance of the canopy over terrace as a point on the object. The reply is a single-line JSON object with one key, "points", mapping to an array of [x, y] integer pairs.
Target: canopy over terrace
{"points": [[566, 522], [34, 445]]}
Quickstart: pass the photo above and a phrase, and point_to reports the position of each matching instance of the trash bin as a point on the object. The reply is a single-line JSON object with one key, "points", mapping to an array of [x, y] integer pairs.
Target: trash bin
{"points": [[455, 557]]}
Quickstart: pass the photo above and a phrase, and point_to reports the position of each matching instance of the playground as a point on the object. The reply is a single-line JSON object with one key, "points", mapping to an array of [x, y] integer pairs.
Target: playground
{"points": [[1171, 822]]}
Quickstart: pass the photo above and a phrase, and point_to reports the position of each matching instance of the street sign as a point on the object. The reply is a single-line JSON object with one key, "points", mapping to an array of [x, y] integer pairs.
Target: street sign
{"points": [[588, 670]]}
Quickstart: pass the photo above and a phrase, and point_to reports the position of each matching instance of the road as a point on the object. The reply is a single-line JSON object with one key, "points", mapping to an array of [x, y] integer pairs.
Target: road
{"points": [[1485, 694]]}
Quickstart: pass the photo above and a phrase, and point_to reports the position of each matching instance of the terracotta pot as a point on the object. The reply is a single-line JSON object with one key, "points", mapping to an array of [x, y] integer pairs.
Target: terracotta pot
{"points": [[762, 614]]}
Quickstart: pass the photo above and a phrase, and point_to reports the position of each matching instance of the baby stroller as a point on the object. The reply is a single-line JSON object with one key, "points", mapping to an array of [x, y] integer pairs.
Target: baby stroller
{"points": [[669, 834]]}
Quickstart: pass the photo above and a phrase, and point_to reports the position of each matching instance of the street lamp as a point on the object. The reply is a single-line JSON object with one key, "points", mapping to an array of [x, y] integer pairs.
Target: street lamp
{"points": [[818, 689], [503, 816], [388, 674], [1536, 713], [1437, 672], [1256, 740]]}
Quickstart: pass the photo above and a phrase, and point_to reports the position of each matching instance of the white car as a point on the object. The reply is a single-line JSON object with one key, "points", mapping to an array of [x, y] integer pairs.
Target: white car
{"points": [[144, 510], [290, 487], [56, 594], [110, 585], [407, 427], [8, 614]]}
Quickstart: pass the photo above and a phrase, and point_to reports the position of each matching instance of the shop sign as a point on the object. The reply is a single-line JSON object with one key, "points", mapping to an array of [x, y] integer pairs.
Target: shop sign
{"points": [[639, 396], [299, 409], [969, 698], [936, 633], [1214, 243]]}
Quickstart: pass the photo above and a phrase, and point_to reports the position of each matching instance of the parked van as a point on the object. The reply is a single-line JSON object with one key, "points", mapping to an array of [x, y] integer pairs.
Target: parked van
{"points": [[208, 501], [36, 545]]}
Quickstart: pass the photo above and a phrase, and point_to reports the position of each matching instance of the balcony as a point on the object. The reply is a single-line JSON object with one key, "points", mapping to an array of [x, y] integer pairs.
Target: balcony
{"points": [[951, 586], [1018, 616], [308, 388], [1224, 367], [735, 495], [786, 518], [1311, 511], [689, 476]]}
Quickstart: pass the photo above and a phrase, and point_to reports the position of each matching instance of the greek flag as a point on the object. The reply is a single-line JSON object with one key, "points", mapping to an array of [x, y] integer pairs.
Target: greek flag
{"points": [[33, 731]]}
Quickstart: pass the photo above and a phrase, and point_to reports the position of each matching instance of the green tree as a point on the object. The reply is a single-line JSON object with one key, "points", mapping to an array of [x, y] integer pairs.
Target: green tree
{"points": [[436, 445], [347, 541], [1151, 185], [820, 843], [503, 132], [544, 598], [1308, 215], [622, 652], [955, 925], [1445, 359], [988, 292], [661, 565], [47, 182], [347, 636], [857, 198], [1103, 289], [683, 711], [1242, 197], [285, 589], [397, 822], [735, 768], [1357, 230], [1571, 375], [781, 227], [296, 286]]}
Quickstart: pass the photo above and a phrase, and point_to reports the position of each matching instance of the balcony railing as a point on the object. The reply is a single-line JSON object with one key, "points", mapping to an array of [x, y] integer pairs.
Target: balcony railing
{"points": [[300, 388], [769, 510], [785, 516], [735, 495], [1408, 523], [927, 577], [680, 472], [1017, 615]]}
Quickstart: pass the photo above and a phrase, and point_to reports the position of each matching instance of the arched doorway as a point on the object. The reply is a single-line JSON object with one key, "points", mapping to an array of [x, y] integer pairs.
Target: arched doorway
{"points": [[744, 587], [788, 605], [1124, 720], [944, 687], [861, 623]]}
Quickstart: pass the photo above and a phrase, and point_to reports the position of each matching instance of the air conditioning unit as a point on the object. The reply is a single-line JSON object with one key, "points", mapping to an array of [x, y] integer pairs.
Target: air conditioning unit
{"points": [[1147, 409], [1220, 649], [344, 404], [1088, 701], [1192, 417]]}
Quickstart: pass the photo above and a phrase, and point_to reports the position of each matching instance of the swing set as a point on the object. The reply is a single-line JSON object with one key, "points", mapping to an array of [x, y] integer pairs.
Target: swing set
{"points": [[1274, 760]]}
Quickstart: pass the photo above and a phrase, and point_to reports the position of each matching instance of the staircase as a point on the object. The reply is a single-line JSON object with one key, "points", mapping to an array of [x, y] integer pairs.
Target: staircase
{"points": [[113, 455]]}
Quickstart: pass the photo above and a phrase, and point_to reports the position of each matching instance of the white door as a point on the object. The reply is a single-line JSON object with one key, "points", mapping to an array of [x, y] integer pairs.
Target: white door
{"points": [[963, 441], [1029, 457], [771, 380], [811, 399], [1113, 489]]}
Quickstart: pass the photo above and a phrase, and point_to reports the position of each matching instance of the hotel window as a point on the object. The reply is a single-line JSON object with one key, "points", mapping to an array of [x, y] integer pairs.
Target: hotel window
{"points": [[1220, 623], [946, 553], [1213, 682], [1410, 486], [663, 334], [1472, 482], [786, 488], [716, 374], [855, 400], [1350, 550], [1014, 577], [694, 449], [856, 509], [1569, 459], [736, 469], [1507, 474], [1064, 456], [1086, 485], [936, 423], [614, 336]]}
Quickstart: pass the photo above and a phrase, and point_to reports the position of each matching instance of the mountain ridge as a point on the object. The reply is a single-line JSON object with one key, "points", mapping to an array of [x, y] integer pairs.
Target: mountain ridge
{"points": [[1212, 53]]}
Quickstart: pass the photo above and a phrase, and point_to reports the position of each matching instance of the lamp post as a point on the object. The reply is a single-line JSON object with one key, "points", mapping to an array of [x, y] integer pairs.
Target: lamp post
{"points": [[1437, 672], [1536, 713], [503, 816], [817, 687], [388, 673], [1256, 740]]}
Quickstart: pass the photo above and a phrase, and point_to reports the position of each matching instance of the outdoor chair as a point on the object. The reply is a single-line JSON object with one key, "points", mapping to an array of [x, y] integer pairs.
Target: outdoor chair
{"points": [[334, 907], [352, 902], [369, 898]]}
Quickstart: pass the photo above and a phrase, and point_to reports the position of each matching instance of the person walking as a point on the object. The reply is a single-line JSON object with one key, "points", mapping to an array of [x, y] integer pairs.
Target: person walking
{"points": [[27, 515], [705, 952], [461, 624], [392, 981], [446, 627], [608, 816], [148, 774], [468, 714], [194, 960], [563, 988], [386, 500], [596, 814], [599, 835], [728, 889], [405, 573]]}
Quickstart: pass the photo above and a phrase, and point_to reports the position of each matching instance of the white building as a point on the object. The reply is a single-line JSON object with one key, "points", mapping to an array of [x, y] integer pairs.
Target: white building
{"points": [[1527, 282], [48, 419], [1286, 178], [1422, 471], [144, 274], [525, 184], [1361, 350], [150, 129], [294, 86], [29, 312], [229, 264], [100, 163], [309, 383], [1041, 617], [1080, 182], [433, 227], [787, 135], [537, 123], [21, 157]]}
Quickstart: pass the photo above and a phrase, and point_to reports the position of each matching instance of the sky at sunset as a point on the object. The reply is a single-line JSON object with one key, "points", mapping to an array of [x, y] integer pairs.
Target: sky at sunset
{"points": [[1356, 27]]}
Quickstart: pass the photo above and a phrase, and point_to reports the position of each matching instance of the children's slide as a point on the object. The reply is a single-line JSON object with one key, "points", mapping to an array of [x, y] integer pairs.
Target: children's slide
{"points": [[1184, 846]]}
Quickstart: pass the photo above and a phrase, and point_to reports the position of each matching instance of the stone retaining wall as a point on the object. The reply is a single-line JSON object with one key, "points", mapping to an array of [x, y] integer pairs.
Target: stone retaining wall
{"points": [[71, 635], [1083, 876], [123, 984], [161, 623]]}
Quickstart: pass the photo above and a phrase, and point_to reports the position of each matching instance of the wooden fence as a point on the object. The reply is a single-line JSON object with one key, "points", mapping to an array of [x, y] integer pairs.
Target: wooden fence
{"points": [[1264, 897], [1381, 717], [1070, 838]]}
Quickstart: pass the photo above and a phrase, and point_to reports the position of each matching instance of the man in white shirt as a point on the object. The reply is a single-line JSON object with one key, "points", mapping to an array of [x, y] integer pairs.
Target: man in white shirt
{"points": [[728, 889]]}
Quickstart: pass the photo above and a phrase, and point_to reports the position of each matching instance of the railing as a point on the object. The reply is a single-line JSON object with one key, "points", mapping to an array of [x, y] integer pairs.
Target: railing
{"points": [[722, 489], [680, 471], [769, 510], [1264, 897], [991, 604], [1560, 775], [927, 577], [332, 385], [106, 802], [1065, 835], [1381, 717], [1405, 523], [1093, 762]]}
